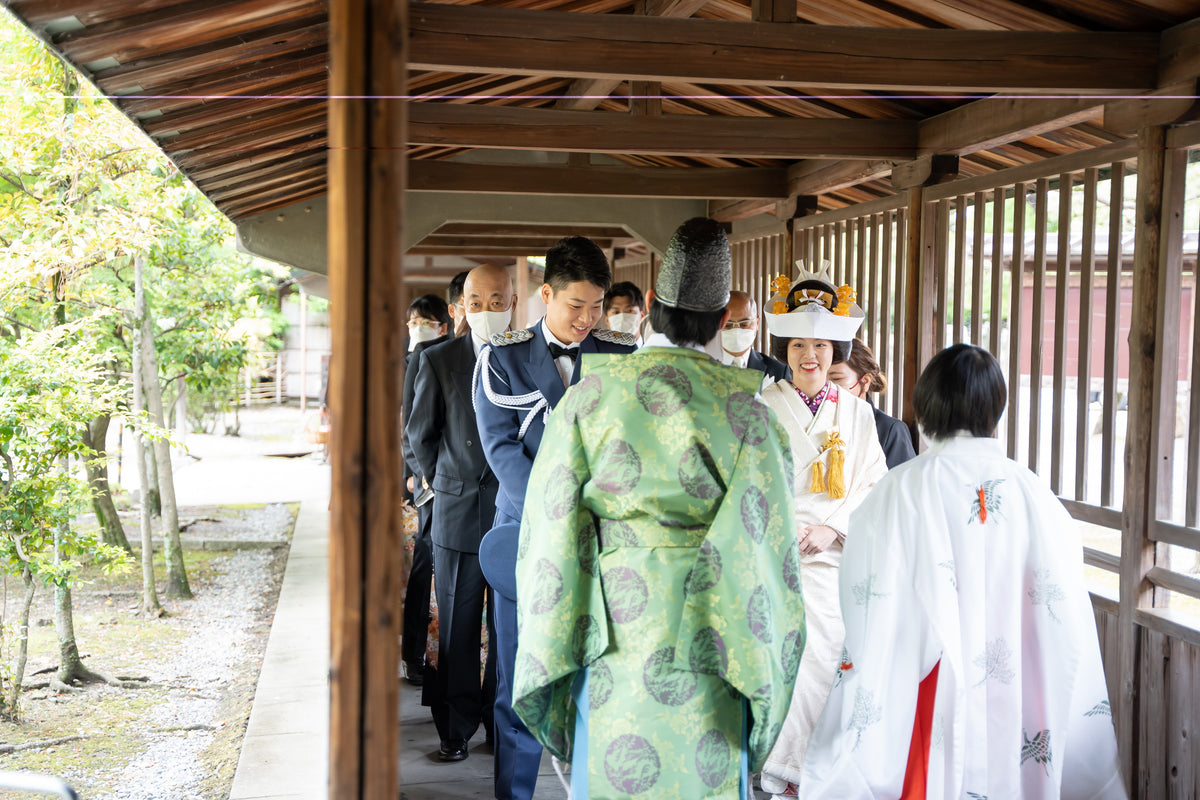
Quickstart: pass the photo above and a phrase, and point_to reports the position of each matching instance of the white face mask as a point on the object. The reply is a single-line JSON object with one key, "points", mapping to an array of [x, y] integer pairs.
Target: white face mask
{"points": [[486, 324], [737, 340], [421, 333], [625, 323]]}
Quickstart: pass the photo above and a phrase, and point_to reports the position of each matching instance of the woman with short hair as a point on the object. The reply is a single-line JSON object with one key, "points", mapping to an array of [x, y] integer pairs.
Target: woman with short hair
{"points": [[972, 667]]}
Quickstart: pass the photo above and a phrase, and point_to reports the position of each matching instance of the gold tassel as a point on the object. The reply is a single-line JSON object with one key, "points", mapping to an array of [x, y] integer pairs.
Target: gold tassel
{"points": [[837, 465], [818, 479]]}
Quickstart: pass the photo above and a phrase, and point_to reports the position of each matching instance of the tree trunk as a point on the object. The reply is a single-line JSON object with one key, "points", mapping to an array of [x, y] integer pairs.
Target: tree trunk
{"points": [[94, 437], [177, 580], [181, 411], [10, 709], [150, 605], [152, 495]]}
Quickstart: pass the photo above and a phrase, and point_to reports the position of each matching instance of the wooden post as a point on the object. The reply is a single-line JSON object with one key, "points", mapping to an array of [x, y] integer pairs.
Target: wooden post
{"points": [[520, 317], [303, 350], [919, 285], [368, 46], [1137, 550]]}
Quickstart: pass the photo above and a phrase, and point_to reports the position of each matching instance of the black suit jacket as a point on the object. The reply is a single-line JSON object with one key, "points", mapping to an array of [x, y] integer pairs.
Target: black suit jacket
{"points": [[411, 360], [894, 438], [445, 442], [772, 367]]}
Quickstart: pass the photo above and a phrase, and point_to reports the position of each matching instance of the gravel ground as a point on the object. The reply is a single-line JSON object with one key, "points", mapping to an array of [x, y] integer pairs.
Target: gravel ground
{"points": [[219, 646]]}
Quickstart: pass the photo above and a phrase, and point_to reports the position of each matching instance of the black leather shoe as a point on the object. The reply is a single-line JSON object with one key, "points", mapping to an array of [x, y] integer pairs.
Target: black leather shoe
{"points": [[414, 673], [452, 750]]}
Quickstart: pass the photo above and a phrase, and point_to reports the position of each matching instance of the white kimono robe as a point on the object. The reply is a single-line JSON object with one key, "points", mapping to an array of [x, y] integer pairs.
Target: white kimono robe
{"points": [[865, 464], [964, 556]]}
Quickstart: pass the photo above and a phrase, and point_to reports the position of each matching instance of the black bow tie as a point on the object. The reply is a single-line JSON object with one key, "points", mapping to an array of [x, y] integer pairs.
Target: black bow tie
{"points": [[557, 350]]}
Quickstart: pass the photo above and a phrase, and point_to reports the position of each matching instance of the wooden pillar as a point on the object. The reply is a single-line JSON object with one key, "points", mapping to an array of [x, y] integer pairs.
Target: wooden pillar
{"points": [[520, 317], [1137, 550], [919, 285], [367, 45]]}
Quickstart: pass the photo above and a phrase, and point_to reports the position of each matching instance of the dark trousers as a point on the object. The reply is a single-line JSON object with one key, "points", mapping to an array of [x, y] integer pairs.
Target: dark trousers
{"points": [[416, 599], [518, 753], [466, 700]]}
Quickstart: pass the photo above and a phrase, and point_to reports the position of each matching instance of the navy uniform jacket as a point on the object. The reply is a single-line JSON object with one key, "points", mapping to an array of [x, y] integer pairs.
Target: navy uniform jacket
{"points": [[771, 367], [524, 380]]}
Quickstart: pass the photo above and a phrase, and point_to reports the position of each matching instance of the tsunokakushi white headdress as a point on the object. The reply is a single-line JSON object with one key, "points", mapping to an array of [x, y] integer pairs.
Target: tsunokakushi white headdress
{"points": [[812, 307]]}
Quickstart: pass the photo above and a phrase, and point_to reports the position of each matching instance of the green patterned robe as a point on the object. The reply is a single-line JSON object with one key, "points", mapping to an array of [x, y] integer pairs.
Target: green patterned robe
{"points": [[657, 550]]}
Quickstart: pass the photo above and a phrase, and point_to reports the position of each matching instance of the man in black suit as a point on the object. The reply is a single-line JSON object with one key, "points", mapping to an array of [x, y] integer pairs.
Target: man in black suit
{"points": [[737, 339], [445, 441], [416, 599]]}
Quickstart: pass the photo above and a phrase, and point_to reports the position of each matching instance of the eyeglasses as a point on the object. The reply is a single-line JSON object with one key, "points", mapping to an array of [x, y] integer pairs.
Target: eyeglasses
{"points": [[417, 322], [743, 324]]}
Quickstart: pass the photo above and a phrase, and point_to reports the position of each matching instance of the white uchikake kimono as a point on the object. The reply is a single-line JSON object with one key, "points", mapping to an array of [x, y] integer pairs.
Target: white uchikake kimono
{"points": [[964, 556], [865, 464]]}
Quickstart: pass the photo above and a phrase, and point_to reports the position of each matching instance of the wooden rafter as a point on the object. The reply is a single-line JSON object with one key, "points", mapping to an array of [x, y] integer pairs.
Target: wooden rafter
{"points": [[475, 38]]}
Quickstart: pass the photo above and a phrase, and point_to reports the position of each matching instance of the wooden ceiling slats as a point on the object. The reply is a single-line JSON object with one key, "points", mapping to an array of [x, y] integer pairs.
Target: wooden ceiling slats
{"points": [[1000, 15], [151, 74], [852, 13], [253, 136], [266, 177], [202, 166], [297, 176], [219, 112], [533, 244], [234, 90], [269, 202], [38, 13], [253, 85], [179, 27]]}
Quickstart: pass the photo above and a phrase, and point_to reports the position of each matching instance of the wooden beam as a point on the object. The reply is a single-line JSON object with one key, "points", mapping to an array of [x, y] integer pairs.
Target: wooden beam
{"points": [[773, 10], [1179, 54], [497, 230], [512, 128], [528, 244], [486, 39], [645, 98], [483, 249], [457, 176], [819, 176], [734, 210], [585, 94], [994, 121], [1175, 104], [925, 171], [368, 49]]}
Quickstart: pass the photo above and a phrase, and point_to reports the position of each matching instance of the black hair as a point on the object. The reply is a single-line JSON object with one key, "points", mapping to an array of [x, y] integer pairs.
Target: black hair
{"points": [[574, 259], [685, 327], [625, 289], [458, 285], [961, 389], [430, 306], [779, 348]]}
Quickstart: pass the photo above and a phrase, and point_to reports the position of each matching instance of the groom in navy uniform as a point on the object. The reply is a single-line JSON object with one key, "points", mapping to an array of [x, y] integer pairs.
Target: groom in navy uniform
{"points": [[519, 380]]}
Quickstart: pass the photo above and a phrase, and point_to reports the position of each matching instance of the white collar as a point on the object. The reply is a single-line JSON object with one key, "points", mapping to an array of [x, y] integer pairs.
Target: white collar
{"points": [[661, 340], [550, 337]]}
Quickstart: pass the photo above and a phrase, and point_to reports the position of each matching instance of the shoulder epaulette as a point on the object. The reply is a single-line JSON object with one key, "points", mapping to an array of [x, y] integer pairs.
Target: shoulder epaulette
{"points": [[511, 337], [615, 337]]}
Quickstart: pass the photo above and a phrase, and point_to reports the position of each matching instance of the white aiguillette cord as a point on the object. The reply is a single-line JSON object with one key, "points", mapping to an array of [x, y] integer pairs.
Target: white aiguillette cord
{"points": [[531, 402]]}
